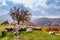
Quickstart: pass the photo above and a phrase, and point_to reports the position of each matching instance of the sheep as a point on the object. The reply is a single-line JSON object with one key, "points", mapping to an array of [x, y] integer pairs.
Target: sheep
{"points": [[23, 28], [53, 33], [4, 32], [16, 30], [9, 28], [29, 29], [17, 27], [16, 33], [38, 28]]}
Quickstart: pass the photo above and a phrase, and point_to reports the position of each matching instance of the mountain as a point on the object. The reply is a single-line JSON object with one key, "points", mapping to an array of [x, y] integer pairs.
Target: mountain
{"points": [[47, 21]]}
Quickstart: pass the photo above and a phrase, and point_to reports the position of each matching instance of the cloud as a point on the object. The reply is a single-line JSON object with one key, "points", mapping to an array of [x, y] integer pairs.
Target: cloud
{"points": [[2, 3], [43, 8], [44, 12], [27, 3], [53, 4], [51, 16], [33, 4]]}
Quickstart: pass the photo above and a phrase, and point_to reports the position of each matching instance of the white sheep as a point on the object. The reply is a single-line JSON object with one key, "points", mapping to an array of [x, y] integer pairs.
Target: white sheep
{"points": [[52, 32], [29, 30]]}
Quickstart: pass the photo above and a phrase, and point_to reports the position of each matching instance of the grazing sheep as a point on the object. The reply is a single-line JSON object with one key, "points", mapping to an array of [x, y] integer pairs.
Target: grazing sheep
{"points": [[37, 28], [16, 30], [53, 33], [29, 30], [9, 28], [4, 32], [23, 28], [16, 33]]}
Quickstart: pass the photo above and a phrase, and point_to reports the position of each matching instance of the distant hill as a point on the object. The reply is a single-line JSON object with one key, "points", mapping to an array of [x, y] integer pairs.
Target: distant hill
{"points": [[47, 21], [39, 21]]}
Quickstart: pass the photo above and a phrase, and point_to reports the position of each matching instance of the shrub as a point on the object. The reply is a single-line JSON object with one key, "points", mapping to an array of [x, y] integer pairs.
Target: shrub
{"points": [[46, 28]]}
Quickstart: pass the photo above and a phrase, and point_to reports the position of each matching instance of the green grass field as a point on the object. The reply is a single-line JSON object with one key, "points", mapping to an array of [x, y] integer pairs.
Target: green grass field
{"points": [[35, 35]]}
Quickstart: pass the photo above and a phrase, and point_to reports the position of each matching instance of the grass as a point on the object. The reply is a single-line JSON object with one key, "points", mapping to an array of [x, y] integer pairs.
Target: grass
{"points": [[35, 35]]}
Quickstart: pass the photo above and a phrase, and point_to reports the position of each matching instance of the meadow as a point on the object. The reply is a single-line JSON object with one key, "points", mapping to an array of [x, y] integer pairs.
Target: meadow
{"points": [[34, 35]]}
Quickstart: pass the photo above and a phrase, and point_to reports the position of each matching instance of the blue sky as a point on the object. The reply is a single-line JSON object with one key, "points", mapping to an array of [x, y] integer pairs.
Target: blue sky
{"points": [[38, 8]]}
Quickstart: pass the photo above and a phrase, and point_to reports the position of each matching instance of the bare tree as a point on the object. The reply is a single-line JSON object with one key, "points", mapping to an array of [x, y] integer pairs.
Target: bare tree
{"points": [[20, 14]]}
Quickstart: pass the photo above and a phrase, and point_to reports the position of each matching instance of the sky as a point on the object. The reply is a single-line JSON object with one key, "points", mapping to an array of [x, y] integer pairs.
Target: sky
{"points": [[38, 8]]}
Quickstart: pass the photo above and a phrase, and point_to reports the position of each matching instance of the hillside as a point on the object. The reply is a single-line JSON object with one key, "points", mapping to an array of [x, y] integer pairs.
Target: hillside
{"points": [[47, 21]]}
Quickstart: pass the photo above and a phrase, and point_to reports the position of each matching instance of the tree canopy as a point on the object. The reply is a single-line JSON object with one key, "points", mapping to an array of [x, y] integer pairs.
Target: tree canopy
{"points": [[20, 14]]}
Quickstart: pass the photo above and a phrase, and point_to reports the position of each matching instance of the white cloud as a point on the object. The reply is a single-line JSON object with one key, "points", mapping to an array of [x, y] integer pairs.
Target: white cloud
{"points": [[44, 12], [36, 17], [3, 2], [27, 3], [53, 5], [38, 3], [31, 3], [56, 7], [51, 16]]}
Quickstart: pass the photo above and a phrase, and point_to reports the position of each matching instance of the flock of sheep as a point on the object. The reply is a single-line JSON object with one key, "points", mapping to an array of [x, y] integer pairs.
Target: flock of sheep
{"points": [[18, 28]]}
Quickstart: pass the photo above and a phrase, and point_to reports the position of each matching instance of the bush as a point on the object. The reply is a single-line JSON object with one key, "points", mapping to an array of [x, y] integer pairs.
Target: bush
{"points": [[46, 28]]}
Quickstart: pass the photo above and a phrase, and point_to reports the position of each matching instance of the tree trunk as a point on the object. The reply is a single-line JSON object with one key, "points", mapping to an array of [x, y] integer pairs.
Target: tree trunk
{"points": [[18, 22]]}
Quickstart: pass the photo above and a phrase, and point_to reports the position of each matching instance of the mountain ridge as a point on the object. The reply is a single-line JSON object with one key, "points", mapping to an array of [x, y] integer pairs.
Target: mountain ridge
{"points": [[47, 21]]}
